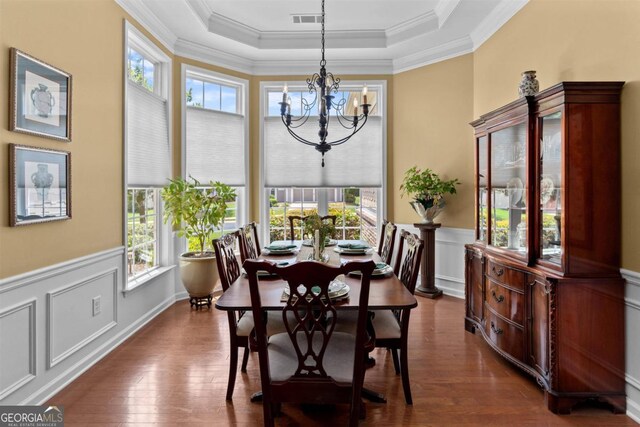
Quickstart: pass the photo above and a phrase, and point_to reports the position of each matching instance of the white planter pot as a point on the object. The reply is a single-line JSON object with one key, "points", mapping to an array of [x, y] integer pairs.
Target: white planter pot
{"points": [[199, 274]]}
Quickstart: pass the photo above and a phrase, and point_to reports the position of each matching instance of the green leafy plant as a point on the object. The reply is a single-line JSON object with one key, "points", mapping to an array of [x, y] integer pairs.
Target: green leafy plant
{"points": [[196, 211], [313, 222], [426, 187]]}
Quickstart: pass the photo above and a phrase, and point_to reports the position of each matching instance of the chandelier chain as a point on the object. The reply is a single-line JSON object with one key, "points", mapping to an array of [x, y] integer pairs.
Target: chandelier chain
{"points": [[323, 62]]}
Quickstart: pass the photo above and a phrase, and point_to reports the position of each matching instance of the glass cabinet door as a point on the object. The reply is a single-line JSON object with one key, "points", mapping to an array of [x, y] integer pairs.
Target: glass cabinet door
{"points": [[550, 187], [508, 188], [483, 175]]}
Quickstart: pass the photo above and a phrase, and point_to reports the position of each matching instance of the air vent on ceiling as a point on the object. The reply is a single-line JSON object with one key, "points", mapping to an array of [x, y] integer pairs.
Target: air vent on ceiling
{"points": [[307, 19]]}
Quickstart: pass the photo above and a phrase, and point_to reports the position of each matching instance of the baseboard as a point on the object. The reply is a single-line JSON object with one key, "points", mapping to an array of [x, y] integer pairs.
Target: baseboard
{"points": [[52, 388], [451, 286]]}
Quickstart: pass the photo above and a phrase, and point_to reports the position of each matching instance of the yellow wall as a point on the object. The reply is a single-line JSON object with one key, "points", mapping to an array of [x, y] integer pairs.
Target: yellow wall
{"points": [[573, 40], [431, 115], [84, 39], [69, 35]]}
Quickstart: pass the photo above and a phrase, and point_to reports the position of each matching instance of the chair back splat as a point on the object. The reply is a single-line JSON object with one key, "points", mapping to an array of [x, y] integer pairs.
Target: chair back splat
{"points": [[228, 266], [310, 362], [387, 241], [249, 243]]}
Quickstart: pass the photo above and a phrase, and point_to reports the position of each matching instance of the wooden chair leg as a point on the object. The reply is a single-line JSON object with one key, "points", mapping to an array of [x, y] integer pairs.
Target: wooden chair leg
{"points": [[267, 411], [233, 367], [245, 359], [404, 366], [396, 362]]}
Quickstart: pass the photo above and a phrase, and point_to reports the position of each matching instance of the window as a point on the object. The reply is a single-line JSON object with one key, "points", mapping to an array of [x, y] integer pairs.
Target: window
{"points": [[140, 70], [142, 230], [356, 211], [350, 185], [216, 135], [148, 154]]}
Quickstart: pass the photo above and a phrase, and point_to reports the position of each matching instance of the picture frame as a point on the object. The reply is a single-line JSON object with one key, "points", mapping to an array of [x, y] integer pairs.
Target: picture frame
{"points": [[40, 98], [40, 185]]}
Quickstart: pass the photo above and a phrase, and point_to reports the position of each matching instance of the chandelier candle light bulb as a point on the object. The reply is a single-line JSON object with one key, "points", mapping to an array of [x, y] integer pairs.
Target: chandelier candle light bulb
{"points": [[364, 94], [355, 107]]}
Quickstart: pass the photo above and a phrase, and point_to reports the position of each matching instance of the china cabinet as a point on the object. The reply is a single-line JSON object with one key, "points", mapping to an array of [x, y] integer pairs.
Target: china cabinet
{"points": [[543, 284]]}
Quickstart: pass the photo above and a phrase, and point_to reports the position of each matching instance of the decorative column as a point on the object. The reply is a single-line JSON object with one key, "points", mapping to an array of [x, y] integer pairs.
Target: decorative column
{"points": [[427, 286]]}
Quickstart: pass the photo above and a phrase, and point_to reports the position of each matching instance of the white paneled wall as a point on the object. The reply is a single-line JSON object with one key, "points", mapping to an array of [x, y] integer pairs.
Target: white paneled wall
{"points": [[50, 331], [632, 344]]}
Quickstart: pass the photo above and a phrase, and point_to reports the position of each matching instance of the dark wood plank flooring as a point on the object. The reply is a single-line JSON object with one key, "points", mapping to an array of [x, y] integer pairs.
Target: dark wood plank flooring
{"points": [[174, 372]]}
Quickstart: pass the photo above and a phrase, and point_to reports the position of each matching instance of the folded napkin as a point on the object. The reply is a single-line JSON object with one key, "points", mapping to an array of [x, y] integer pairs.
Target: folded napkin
{"points": [[279, 247], [353, 246], [380, 265]]}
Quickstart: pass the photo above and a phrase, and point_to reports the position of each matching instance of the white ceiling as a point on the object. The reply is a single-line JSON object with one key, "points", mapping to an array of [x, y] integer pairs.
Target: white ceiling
{"points": [[362, 36]]}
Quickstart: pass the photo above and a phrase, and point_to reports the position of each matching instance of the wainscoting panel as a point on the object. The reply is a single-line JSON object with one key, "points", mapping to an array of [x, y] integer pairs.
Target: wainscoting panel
{"points": [[449, 257], [50, 332], [18, 349], [72, 320], [632, 344]]}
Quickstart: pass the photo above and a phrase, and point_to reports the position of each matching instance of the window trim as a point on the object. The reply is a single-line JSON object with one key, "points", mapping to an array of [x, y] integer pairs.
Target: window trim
{"points": [[162, 75], [242, 85], [270, 86]]}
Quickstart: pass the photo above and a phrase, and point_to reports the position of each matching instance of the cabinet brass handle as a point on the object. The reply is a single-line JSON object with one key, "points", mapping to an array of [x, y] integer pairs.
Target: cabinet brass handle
{"points": [[497, 331], [499, 271], [496, 297]]}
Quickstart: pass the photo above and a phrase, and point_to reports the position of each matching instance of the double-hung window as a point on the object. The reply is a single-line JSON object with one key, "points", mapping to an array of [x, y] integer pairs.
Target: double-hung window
{"points": [[148, 153], [350, 186], [216, 136]]}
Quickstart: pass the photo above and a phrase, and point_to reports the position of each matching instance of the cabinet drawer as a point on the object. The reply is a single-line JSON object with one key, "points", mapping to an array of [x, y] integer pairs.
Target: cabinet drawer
{"points": [[507, 303], [505, 275], [509, 338]]}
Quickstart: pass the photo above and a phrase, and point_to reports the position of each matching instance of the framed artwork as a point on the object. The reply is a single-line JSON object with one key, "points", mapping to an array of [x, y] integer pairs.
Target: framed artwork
{"points": [[40, 185], [40, 98]]}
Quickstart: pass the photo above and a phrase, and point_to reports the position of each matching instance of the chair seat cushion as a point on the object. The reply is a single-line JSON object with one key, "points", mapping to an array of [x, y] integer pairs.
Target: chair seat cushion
{"points": [[337, 362], [275, 325], [384, 323]]}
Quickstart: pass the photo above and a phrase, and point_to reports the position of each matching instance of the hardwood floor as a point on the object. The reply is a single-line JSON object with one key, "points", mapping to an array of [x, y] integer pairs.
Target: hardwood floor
{"points": [[174, 371]]}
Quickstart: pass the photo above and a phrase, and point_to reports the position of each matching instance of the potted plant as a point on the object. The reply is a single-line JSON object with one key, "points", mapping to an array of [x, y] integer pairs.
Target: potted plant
{"points": [[426, 189], [196, 211]]}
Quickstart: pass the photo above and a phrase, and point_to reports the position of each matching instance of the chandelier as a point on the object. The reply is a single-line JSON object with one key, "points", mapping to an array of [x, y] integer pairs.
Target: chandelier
{"points": [[321, 85]]}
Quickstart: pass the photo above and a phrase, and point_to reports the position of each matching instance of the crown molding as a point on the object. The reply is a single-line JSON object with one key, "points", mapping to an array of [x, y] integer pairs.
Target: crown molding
{"points": [[341, 67], [503, 12], [432, 55], [444, 9], [237, 31], [420, 25], [145, 17], [213, 56], [201, 10]]}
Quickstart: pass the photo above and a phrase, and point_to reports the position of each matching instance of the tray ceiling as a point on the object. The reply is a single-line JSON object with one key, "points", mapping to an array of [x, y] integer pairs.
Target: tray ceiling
{"points": [[374, 36]]}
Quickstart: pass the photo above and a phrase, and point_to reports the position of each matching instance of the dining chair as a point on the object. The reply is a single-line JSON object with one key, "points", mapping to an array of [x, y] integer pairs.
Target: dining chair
{"points": [[249, 243], [387, 241], [240, 322], [391, 327], [310, 362], [294, 218]]}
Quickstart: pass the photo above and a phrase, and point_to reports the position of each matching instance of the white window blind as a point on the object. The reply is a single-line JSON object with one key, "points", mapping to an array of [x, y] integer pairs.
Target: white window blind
{"points": [[356, 163], [148, 151], [215, 146]]}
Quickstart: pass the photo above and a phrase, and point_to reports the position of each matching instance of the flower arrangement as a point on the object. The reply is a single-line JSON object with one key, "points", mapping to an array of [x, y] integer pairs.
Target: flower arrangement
{"points": [[427, 190], [319, 231], [196, 210], [314, 222]]}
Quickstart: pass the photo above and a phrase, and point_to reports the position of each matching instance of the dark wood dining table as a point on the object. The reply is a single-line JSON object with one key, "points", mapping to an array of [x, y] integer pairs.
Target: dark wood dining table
{"points": [[386, 292]]}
